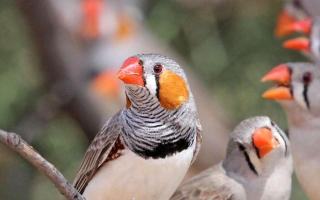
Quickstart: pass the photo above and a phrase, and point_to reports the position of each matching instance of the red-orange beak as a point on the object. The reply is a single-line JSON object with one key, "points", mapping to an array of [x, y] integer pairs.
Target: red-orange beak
{"points": [[131, 72], [264, 141], [284, 20], [303, 26], [280, 75], [300, 44]]}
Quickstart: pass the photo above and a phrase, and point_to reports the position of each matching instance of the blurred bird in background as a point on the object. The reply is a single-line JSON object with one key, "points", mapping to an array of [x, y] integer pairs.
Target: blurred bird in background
{"points": [[294, 10], [296, 88]]}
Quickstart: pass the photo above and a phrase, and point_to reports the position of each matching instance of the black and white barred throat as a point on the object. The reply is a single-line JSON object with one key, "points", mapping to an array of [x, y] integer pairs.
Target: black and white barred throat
{"points": [[152, 131]]}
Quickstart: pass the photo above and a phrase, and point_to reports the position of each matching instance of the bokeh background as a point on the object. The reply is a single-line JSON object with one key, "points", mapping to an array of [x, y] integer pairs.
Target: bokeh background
{"points": [[226, 46]]}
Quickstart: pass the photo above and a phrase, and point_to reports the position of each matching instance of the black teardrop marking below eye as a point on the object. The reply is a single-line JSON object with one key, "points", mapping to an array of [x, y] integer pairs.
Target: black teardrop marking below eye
{"points": [[306, 79], [305, 95], [251, 166], [157, 68]]}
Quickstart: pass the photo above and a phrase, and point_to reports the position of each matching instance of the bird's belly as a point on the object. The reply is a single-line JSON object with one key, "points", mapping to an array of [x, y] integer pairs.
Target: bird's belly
{"points": [[130, 176], [306, 157]]}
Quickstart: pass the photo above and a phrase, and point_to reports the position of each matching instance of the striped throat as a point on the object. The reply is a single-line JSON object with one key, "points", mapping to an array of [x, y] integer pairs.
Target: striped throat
{"points": [[152, 131]]}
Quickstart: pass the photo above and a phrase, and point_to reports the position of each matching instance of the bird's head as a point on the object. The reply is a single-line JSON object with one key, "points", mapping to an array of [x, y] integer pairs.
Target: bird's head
{"points": [[297, 90], [256, 146], [155, 76]]}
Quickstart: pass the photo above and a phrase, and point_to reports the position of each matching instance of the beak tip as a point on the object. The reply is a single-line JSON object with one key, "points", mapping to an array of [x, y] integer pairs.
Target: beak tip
{"points": [[263, 79]]}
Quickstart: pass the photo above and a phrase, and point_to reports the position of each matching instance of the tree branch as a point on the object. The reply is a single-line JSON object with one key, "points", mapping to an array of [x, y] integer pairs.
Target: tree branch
{"points": [[15, 142]]}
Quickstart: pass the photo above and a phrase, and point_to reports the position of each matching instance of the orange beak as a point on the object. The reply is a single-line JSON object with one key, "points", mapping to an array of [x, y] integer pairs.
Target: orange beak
{"points": [[131, 72], [264, 141], [303, 26], [280, 75], [284, 20], [300, 44]]}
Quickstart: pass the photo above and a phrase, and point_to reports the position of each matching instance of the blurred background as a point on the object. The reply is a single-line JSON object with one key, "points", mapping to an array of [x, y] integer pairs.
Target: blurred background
{"points": [[58, 59]]}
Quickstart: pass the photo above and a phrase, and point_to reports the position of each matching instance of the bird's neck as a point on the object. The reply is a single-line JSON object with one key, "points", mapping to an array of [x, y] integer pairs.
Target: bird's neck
{"points": [[152, 131]]}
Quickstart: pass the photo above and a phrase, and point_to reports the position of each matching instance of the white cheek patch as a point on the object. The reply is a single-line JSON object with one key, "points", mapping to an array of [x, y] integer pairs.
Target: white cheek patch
{"points": [[298, 95], [151, 84], [255, 161]]}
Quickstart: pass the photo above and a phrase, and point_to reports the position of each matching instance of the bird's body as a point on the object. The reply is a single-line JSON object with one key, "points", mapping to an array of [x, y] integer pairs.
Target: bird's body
{"points": [[145, 150], [304, 138], [251, 170], [134, 173], [303, 115]]}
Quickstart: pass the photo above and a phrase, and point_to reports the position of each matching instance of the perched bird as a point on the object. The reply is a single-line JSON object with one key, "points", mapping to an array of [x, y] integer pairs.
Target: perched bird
{"points": [[310, 47], [296, 10], [298, 93], [144, 150], [258, 165]]}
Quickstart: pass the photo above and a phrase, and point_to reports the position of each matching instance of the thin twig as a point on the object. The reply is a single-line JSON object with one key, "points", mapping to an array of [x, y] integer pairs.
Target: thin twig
{"points": [[15, 142]]}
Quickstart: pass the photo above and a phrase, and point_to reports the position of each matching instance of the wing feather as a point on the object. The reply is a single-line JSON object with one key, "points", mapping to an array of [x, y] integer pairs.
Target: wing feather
{"points": [[198, 141], [98, 152], [211, 184]]}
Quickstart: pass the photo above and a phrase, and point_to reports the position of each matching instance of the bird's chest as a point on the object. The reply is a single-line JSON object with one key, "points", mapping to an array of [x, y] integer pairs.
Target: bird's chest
{"points": [[130, 176], [306, 155]]}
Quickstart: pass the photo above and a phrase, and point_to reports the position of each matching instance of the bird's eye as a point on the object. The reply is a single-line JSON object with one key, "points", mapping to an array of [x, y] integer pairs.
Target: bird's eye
{"points": [[272, 123], [307, 77], [297, 3], [241, 147], [157, 68]]}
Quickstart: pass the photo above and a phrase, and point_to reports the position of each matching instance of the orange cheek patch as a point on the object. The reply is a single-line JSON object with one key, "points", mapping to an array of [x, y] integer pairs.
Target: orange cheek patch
{"points": [[173, 90]]}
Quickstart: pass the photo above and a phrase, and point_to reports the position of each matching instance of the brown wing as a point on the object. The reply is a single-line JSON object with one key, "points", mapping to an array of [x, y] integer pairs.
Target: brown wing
{"points": [[101, 149], [211, 184], [198, 141]]}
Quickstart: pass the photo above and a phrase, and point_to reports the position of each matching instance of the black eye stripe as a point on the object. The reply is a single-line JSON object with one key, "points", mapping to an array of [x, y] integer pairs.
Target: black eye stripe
{"points": [[251, 166], [285, 143], [305, 95]]}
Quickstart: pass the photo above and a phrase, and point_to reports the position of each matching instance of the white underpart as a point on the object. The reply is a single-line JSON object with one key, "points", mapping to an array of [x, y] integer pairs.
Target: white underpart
{"points": [[304, 138], [306, 155], [151, 83], [132, 177]]}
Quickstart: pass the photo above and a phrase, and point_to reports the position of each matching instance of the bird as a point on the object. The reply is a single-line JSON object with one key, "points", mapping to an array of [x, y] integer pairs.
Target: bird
{"points": [[297, 91], [145, 150], [296, 10], [258, 165], [308, 46]]}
